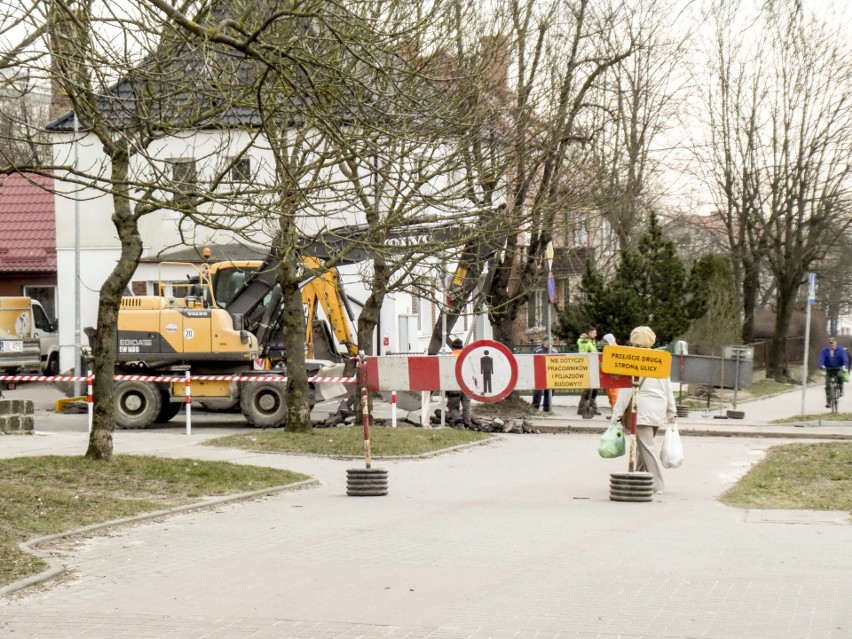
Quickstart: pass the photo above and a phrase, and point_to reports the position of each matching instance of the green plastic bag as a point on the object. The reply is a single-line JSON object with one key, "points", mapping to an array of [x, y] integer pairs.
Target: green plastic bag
{"points": [[612, 442], [844, 375]]}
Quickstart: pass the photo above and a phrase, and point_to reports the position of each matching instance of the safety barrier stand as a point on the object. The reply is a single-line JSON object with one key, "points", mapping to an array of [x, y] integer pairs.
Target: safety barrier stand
{"points": [[393, 409]]}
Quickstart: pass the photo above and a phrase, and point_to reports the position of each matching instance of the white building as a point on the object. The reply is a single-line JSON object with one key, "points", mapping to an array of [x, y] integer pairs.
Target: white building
{"points": [[86, 236]]}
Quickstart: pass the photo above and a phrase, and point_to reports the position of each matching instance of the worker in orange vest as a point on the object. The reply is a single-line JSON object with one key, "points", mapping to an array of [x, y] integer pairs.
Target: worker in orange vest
{"points": [[458, 404]]}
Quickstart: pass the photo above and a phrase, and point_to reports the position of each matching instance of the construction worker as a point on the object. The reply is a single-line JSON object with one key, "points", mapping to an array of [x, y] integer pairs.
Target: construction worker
{"points": [[545, 395], [458, 404], [587, 343]]}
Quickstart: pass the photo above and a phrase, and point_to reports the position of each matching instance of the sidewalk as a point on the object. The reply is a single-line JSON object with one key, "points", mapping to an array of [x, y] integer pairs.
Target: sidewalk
{"points": [[759, 413]]}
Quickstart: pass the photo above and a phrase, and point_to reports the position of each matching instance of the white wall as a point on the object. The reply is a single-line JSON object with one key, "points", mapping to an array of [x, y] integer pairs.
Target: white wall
{"points": [[94, 265]]}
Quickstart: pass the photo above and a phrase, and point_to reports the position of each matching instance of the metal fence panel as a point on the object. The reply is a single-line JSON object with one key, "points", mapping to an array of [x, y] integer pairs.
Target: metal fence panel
{"points": [[713, 371]]}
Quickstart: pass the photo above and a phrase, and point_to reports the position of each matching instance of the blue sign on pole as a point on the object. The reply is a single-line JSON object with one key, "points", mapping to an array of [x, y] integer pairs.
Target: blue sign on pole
{"points": [[551, 288], [811, 288]]}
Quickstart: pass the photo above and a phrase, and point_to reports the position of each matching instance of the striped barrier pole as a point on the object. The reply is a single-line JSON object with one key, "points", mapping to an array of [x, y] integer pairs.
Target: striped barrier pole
{"points": [[188, 393], [425, 422], [365, 409], [393, 409], [89, 403]]}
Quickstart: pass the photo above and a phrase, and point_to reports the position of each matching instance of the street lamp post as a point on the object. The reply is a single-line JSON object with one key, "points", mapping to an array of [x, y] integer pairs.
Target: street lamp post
{"points": [[77, 331]]}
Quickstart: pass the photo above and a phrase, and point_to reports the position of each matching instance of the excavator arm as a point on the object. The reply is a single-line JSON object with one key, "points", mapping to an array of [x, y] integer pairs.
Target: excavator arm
{"points": [[255, 304]]}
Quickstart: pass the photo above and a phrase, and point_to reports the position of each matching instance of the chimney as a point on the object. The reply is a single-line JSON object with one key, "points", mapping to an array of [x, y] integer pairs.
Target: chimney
{"points": [[61, 44], [495, 58]]}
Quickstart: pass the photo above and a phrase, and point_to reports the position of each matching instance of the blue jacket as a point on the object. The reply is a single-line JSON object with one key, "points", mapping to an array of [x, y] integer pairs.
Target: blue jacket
{"points": [[839, 360]]}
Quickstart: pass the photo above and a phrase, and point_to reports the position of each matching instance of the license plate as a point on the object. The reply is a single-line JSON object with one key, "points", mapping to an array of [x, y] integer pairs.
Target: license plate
{"points": [[14, 346]]}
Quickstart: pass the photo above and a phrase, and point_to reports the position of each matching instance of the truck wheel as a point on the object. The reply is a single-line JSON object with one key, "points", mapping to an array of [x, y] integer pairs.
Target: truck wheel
{"points": [[264, 404], [137, 404], [52, 368], [167, 409]]}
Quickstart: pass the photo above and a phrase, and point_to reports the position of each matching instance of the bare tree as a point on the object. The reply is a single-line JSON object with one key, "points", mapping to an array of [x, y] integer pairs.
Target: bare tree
{"points": [[639, 100], [129, 77], [559, 53], [780, 139], [732, 154]]}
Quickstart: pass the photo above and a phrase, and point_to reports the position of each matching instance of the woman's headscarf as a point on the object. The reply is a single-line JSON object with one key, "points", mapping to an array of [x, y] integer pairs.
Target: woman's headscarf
{"points": [[643, 337]]}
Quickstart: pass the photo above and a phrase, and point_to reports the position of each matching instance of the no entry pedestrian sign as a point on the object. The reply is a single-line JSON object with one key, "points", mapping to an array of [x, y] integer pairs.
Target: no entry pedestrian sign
{"points": [[487, 371]]}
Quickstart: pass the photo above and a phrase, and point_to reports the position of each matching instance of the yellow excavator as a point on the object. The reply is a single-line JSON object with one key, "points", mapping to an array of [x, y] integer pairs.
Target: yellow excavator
{"points": [[228, 322]]}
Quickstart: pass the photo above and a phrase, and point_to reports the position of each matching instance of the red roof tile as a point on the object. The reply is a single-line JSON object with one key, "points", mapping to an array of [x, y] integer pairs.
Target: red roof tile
{"points": [[27, 223]]}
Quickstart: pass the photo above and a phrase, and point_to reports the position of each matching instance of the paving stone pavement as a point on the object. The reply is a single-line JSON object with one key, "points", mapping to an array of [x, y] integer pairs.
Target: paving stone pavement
{"points": [[514, 539]]}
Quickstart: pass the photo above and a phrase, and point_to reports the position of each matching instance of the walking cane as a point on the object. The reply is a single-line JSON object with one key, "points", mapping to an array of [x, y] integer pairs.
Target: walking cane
{"points": [[631, 464]]}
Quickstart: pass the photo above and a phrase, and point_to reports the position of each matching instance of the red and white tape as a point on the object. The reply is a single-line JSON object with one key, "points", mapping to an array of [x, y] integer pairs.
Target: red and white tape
{"points": [[171, 378]]}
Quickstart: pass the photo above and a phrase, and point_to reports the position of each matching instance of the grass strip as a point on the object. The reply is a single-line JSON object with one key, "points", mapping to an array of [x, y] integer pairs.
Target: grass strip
{"points": [[798, 476], [48, 495], [815, 417], [349, 441]]}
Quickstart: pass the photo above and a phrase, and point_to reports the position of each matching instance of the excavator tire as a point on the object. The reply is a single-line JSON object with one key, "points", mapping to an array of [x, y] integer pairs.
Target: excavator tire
{"points": [[137, 404], [168, 409], [264, 404]]}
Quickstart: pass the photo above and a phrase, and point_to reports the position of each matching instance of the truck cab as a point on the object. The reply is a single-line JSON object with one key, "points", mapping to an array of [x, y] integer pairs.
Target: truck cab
{"points": [[19, 348], [47, 333]]}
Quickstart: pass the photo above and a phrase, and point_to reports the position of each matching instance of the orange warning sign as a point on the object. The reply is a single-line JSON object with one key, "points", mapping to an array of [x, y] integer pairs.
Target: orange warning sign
{"points": [[636, 362]]}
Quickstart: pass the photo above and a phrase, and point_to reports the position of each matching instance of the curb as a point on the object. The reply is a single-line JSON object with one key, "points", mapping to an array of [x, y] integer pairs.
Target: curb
{"points": [[55, 567], [699, 431], [434, 453]]}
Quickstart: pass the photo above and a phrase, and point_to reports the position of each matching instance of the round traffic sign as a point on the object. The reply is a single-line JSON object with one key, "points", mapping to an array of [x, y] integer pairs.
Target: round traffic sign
{"points": [[487, 371], [551, 288]]}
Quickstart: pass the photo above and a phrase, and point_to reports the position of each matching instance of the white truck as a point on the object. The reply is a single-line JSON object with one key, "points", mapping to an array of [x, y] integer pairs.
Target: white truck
{"points": [[29, 341]]}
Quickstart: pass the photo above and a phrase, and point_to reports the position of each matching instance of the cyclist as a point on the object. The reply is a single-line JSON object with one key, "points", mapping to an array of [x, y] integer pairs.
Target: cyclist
{"points": [[833, 359]]}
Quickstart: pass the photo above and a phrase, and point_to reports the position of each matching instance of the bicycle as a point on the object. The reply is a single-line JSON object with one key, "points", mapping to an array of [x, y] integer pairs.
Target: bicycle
{"points": [[834, 391]]}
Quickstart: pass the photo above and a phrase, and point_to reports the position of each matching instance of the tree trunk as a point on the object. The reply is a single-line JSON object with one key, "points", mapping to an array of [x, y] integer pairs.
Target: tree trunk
{"points": [[368, 320], [750, 287], [298, 404], [776, 366], [103, 423], [503, 330]]}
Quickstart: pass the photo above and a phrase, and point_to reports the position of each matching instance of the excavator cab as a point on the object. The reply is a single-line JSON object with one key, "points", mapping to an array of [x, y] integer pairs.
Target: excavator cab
{"points": [[252, 285]]}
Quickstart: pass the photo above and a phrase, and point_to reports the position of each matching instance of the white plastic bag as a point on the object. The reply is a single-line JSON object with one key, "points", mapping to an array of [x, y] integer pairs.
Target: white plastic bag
{"points": [[671, 455]]}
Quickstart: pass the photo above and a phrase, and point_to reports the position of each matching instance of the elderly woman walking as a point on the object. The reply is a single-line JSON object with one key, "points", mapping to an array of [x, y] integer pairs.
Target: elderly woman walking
{"points": [[655, 407]]}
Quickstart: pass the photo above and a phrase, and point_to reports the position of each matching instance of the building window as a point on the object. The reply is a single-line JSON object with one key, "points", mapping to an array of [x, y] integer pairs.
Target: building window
{"points": [[581, 234], [139, 287], [184, 172], [536, 305], [46, 295], [241, 170]]}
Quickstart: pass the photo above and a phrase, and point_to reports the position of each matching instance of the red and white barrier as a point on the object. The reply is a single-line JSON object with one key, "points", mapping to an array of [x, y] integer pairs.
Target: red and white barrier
{"points": [[438, 373], [187, 379]]}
